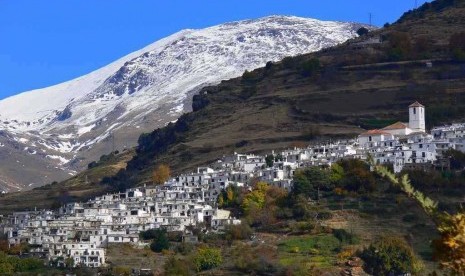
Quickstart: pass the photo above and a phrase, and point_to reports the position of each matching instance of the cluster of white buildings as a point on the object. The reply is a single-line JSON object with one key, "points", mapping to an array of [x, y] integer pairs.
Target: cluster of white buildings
{"points": [[78, 233], [408, 145]]}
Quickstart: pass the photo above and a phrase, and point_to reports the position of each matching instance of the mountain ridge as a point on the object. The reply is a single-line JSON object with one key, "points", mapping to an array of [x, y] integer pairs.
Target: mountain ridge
{"points": [[107, 109]]}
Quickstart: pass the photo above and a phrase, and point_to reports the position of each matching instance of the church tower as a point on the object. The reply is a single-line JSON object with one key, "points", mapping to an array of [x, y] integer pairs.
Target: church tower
{"points": [[416, 120]]}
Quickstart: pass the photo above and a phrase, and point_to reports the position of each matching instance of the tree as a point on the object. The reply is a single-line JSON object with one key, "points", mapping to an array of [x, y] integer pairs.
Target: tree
{"points": [[269, 159], [362, 31], [69, 262], [306, 209], [160, 240], [207, 258], [390, 256], [357, 176], [220, 200], [256, 198], [238, 232], [307, 182], [161, 174], [456, 158], [400, 45], [230, 194], [337, 173]]}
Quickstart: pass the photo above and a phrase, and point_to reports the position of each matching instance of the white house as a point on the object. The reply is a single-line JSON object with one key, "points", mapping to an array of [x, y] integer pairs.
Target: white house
{"points": [[416, 124]]}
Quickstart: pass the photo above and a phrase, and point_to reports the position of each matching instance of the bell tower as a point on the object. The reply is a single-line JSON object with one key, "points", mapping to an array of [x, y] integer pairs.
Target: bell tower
{"points": [[416, 120]]}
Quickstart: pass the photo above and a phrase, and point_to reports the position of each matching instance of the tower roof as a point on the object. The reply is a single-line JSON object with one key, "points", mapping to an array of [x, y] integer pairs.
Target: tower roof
{"points": [[416, 104]]}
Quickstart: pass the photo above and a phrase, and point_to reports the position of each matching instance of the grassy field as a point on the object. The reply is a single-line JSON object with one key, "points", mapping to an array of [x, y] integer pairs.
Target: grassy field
{"points": [[317, 250]]}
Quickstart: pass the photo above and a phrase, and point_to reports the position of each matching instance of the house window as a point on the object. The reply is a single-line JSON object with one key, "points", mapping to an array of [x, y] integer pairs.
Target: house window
{"points": [[414, 110], [369, 138]]}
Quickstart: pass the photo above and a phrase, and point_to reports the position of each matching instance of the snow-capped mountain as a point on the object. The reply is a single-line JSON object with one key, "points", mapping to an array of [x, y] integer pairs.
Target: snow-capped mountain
{"points": [[62, 128]]}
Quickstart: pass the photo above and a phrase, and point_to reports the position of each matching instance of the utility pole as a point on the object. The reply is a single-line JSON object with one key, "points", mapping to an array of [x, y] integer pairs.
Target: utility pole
{"points": [[370, 18]]}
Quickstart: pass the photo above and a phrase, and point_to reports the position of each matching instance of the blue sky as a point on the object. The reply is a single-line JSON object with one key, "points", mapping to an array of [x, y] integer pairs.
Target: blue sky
{"points": [[50, 41]]}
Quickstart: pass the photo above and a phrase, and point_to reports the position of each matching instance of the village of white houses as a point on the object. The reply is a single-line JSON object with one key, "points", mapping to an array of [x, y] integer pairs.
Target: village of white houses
{"points": [[81, 231]]}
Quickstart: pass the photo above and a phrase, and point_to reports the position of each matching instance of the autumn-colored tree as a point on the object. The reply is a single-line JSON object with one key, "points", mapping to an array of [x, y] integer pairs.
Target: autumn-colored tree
{"points": [[220, 200], [207, 258], [4, 247], [161, 174], [449, 248], [256, 198], [230, 194]]}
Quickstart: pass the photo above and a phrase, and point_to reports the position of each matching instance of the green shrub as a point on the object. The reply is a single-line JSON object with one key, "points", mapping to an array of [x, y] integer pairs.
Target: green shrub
{"points": [[184, 248], [238, 232], [160, 240], [207, 258], [390, 256], [308, 181], [345, 237], [13, 264]]}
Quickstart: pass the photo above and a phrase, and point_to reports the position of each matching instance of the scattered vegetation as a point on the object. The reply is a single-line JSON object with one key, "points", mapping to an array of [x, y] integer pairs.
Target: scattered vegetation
{"points": [[390, 256], [161, 174], [207, 258], [12, 264], [449, 248]]}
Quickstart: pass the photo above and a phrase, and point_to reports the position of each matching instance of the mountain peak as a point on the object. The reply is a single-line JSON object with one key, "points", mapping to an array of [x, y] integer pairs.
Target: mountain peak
{"points": [[79, 119]]}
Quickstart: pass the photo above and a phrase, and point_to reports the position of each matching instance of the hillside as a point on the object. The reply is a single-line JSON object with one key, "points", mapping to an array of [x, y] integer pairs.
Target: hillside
{"points": [[334, 93], [55, 132]]}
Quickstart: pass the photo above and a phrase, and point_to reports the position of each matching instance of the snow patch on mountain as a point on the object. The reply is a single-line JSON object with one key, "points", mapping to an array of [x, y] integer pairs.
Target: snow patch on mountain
{"points": [[152, 86]]}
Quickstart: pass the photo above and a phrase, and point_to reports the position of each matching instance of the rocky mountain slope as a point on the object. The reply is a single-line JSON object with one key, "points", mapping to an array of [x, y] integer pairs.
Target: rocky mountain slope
{"points": [[51, 133]]}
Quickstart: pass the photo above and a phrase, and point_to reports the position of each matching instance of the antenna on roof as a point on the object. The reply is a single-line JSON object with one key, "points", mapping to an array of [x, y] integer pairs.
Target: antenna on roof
{"points": [[371, 17]]}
